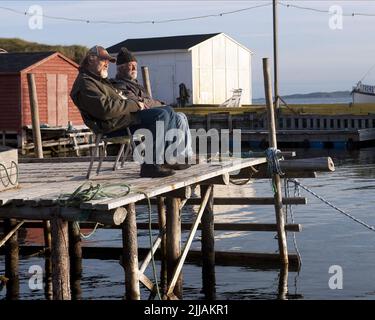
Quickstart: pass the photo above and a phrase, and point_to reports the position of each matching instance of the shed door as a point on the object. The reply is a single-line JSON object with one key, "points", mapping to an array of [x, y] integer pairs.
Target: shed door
{"points": [[57, 99], [163, 83]]}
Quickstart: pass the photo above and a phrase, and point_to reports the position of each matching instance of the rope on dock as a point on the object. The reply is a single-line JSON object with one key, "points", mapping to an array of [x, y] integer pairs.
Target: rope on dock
{"points": [[93, 192], [8, 176], [350, 216]]}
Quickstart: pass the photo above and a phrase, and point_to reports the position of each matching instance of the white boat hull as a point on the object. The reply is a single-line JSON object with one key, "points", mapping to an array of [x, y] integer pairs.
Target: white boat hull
{"points": [[359, 97]]}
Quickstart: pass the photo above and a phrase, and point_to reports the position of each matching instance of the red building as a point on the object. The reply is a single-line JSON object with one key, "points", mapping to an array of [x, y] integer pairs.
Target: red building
{"points": [[54, 77]]}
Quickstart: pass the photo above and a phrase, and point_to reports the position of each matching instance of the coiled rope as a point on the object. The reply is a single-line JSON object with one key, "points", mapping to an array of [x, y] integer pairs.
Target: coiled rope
{"points": [[273, 165], [8, 176], [273, 161]]}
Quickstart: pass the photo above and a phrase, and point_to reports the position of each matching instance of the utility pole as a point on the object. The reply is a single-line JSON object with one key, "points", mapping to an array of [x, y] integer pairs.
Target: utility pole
{"points": [[275, 56]]}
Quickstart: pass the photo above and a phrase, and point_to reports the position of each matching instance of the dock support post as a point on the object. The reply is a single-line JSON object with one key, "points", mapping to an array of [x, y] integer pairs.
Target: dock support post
{"points": [[281, 235], [130, 254], [75, 253], [48, 262], [163, 245], [146, 80], [283, 283], [174, 241], [11, 261], [208, 246], [60, 258], [38, 148]]}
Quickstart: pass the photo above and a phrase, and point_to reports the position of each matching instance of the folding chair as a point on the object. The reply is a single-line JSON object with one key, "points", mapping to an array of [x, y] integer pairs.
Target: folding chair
{"points": [[127, 141], [234, 100]]}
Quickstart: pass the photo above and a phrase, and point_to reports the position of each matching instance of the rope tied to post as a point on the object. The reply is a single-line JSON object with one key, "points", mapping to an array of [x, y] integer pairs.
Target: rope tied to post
{"points": [[272, 155]]}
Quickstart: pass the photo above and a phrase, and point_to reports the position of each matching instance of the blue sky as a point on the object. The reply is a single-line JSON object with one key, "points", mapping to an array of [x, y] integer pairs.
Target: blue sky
{"points": [[312, 57]]}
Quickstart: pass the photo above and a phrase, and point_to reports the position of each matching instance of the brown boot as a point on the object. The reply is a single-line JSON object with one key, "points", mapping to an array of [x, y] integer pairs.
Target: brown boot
{"points": [[176, 166], [155, 171]]}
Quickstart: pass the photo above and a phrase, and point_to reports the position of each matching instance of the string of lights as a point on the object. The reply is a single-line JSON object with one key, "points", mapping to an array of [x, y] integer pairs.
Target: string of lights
{"points": [[221, 14], [26, 13], [353, 14]]}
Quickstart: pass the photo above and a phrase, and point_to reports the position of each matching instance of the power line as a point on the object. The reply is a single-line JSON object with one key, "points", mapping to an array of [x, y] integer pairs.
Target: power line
{"points": [[26, 13], [353, 14], [288, 5]]}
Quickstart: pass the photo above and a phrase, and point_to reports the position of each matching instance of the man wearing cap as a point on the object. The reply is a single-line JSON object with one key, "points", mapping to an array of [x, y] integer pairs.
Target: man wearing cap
{"points": [[126, 81], [105, 109]]}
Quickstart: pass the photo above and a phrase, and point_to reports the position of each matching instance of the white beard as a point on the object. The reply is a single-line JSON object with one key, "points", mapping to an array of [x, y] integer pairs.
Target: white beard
{"points": [[104, 74]]}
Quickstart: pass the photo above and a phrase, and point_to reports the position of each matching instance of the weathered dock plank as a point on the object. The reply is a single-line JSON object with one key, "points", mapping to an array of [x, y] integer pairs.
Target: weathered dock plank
{"points": [[46, 181]]}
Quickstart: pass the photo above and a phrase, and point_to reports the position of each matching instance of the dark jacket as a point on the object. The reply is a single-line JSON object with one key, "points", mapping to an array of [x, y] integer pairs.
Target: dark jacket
{"points": [[102, 107], [134, 90]]}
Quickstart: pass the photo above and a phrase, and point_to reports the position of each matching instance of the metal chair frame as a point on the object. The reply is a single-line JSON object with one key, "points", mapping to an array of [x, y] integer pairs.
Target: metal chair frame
{"points": [[122, 154]]}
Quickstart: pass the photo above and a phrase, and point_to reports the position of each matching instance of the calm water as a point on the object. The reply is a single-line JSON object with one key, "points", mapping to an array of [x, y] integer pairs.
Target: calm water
{"points": [[341, 100], [328, 238]]}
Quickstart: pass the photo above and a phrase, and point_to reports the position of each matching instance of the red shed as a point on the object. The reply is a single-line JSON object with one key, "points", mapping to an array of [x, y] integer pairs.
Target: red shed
{"points": [[54, 77]]}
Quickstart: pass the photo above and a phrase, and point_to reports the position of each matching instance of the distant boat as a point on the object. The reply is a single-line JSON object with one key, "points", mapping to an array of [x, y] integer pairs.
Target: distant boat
{"points": [[363, 93]]}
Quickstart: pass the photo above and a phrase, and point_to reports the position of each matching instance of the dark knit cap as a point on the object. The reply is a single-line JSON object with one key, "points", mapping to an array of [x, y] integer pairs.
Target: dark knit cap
{"points": [[125, 56]]}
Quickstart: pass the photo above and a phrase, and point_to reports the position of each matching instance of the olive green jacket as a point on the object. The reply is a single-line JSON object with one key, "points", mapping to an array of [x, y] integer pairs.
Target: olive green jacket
{"points": [[103, 108]]}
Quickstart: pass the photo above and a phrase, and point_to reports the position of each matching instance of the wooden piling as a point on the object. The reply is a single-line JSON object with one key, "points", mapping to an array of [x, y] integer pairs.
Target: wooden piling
{"points": [[75, 253], [163, 245], [173, 241], [11, 261], [281, 235], [208, 246], [48, 292], [60, 259], [35, 116], [130, 254], [146, 80], [283, 283]]}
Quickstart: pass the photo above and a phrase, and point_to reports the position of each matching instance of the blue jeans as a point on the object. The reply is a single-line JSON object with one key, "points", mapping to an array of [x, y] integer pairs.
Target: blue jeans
{"points": [[166, 117]]}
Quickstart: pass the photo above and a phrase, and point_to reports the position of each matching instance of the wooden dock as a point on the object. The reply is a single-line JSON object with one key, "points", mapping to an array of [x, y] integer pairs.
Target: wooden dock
{"points": [[38, 198]]}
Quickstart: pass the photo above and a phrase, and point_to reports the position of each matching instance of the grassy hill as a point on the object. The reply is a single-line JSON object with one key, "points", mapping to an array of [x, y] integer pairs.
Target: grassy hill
{"points": [[74, 52], [334, 94]]}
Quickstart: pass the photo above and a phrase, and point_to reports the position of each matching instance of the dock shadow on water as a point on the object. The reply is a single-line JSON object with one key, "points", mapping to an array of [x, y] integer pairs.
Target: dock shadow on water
{"points": [[337, 254]]}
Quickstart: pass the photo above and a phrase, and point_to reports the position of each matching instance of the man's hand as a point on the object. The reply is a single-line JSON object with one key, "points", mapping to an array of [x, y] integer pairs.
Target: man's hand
{"points": [[141, 105]]}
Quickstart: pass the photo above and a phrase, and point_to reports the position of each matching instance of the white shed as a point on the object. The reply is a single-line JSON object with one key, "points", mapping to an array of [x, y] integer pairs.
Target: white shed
{"points": [[210, 65]]}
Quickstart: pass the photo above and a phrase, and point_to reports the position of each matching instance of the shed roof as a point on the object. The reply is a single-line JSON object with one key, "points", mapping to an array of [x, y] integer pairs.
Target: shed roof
{"points": [[14, 62], [161, 43]]}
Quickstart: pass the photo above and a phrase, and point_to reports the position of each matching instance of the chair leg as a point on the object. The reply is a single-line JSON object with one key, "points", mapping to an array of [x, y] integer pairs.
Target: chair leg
{"points": [[119, 154], [102, 155], [93, 154], [126, 153], [132, 143]]}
